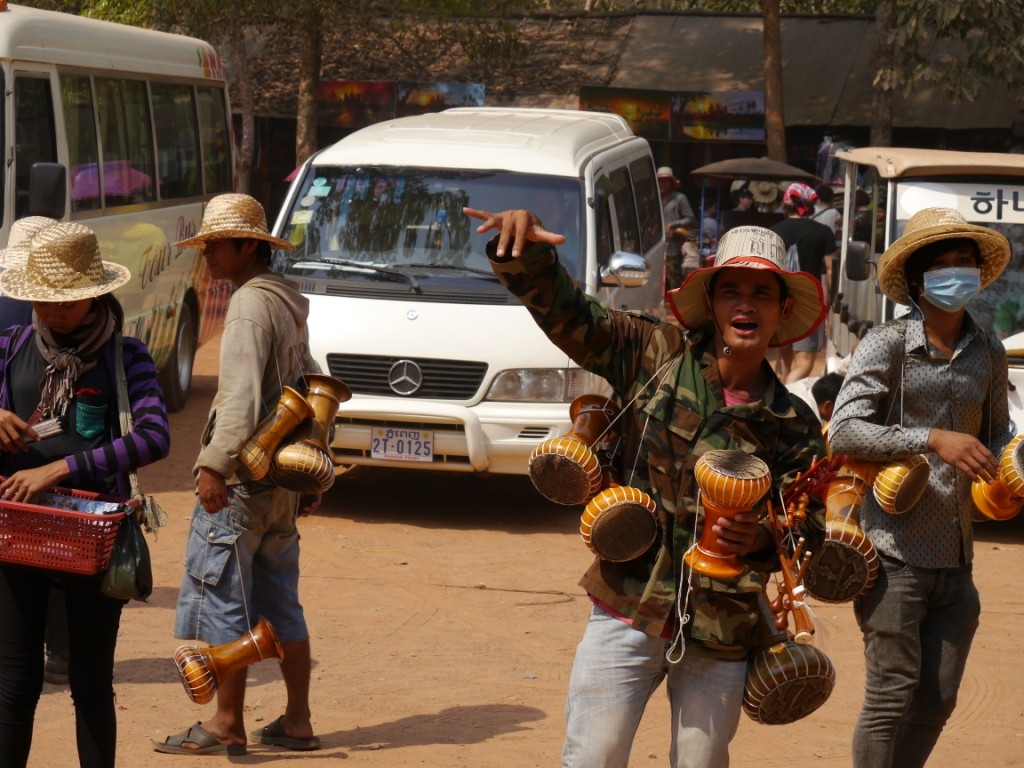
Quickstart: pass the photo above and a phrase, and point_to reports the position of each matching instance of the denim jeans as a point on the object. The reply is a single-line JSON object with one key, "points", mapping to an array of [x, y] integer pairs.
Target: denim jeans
{"points": [[617, 669], [918, 624], [242, 563]]}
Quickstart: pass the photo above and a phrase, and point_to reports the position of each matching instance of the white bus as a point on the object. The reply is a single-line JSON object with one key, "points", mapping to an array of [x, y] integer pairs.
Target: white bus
{"points": [[127, 131], [987, 188]]}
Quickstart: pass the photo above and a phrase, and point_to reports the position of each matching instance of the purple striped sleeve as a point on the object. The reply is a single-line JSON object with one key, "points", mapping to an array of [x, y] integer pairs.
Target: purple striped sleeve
{"points": [[150, 438]]}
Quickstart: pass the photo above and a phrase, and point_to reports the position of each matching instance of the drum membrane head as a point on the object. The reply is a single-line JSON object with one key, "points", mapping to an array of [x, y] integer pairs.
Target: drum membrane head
{"points": [[838, 572], [787, 682], [566, 479], [623, 533]]}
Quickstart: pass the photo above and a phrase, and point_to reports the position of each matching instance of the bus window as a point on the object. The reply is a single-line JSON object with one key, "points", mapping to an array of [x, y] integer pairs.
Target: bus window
{"points": [[83, 152], [177, 140], [133, 113], [126, 141], [214, 132], [35, 138]]}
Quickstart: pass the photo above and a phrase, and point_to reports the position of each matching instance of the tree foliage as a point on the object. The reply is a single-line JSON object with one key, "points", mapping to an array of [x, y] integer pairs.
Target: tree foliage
{"points": [[958, 45]]}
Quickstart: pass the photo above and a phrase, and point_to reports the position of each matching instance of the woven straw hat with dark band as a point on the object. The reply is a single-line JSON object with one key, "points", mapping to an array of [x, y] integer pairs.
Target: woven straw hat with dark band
{"points": [[234, 215], [753, 248], [927, 226], [63, 264]]}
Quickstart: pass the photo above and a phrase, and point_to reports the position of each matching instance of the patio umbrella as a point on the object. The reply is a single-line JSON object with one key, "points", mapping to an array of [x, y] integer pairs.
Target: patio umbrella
{"points": [[759, 168]]}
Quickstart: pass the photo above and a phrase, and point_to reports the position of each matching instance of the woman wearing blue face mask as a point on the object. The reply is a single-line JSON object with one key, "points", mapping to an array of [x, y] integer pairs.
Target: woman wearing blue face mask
{"points": [[931, 382]]}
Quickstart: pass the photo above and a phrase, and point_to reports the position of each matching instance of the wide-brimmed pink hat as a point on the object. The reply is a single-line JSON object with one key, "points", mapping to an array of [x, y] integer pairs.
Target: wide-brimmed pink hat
{"points": [[753, 248]]}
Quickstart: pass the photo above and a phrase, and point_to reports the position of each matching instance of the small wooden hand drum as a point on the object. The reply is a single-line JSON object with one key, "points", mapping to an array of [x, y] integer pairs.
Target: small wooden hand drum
{"points": [[565, 469], [202, 669]]}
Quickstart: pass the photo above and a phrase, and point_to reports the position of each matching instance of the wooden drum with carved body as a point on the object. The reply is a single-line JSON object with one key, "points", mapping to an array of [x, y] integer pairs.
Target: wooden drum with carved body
{"points": [[258, 451], [619, 524], [202, 669], [566, 469], [730, 482], [1003, 498], [304, 462], [786, 680], [845, 564]]}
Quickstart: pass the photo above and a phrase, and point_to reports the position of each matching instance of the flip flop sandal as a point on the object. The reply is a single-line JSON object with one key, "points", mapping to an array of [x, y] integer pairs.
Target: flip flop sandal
{"points": [[275, 736], [205, 743]]}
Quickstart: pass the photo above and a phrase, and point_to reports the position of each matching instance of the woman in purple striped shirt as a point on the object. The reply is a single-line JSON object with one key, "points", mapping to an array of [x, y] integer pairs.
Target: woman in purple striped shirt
{"points": [[61, 371]]}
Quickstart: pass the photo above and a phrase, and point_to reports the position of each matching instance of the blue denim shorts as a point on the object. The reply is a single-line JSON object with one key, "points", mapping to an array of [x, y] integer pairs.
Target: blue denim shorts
{"points": [[242, 563], [815, 342]]}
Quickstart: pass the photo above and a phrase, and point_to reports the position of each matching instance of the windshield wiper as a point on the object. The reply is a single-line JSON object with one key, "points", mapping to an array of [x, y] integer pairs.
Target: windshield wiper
{"points": [[432, 265], [376, 269]]}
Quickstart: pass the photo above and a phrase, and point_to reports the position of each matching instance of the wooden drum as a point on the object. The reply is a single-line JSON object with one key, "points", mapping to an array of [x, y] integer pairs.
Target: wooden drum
{"points": [[619, 524], [202, 669], [305, 463], [845, 564], [565, 469], [730, 482], [1003, 498], [786, 682], [291, 410], [898, 485], [304, 466]]}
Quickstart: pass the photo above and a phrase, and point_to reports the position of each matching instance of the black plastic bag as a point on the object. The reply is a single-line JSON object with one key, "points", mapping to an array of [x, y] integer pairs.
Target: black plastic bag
{"points": [[129, 574]]}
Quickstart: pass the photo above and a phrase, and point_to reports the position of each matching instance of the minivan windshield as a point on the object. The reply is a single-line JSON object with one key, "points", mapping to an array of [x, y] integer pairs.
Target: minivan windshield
{"points": [[371, 221]]}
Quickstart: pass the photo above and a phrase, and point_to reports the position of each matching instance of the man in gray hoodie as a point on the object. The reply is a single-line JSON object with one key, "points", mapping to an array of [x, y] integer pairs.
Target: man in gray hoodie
{"points": [[242, 556]]}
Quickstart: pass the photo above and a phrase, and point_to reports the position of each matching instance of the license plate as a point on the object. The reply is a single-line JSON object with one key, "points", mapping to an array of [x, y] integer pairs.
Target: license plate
{"points": [[401, 444]]}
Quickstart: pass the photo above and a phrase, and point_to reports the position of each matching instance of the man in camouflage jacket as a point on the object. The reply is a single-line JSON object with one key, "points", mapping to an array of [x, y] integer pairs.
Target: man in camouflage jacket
{"points": [[675, 408]]}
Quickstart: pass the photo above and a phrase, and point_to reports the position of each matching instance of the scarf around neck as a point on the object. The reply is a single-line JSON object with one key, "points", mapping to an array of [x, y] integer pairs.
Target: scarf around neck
{"points": [[68, 357]]}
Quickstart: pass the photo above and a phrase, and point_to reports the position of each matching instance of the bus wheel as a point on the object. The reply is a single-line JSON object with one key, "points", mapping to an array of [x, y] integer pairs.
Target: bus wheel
{"points": [[176, 376]]}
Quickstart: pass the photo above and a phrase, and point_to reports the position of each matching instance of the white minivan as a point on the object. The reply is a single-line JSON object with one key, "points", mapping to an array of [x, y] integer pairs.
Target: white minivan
{"points": [[448, 371]]}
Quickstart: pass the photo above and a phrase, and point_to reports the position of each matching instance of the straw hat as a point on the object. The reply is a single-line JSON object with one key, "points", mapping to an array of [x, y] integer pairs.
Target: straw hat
{"points": [[752, 248], [16, 252], [234, 215], [931, 224], [764, 192], [63, 264]]}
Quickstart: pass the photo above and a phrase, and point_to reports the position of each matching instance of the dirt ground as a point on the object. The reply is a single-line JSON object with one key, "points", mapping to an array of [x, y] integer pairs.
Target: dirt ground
{"points": [[444, 614]]}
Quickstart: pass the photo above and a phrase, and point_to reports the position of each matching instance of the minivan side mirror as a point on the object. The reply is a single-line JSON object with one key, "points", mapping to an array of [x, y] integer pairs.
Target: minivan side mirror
{"points": [[858, 264], [626, 270], [47, 190]]}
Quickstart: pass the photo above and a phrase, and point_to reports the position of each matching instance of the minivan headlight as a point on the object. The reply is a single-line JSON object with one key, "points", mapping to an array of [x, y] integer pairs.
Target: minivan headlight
{"points": [[545, 385]]}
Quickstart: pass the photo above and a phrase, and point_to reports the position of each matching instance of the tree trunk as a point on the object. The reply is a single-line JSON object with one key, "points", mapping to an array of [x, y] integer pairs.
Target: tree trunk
{"points": [[885, 66], [310, 57], [245, 148], [773, 108]]}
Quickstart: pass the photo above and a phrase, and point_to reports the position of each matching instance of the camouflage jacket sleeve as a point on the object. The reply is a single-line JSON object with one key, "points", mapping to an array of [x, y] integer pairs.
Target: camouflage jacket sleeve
{"points": [[595, 338]]}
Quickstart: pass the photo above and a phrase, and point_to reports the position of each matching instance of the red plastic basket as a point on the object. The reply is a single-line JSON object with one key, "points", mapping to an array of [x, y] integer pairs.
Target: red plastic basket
{"points": [[60, 539]]}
